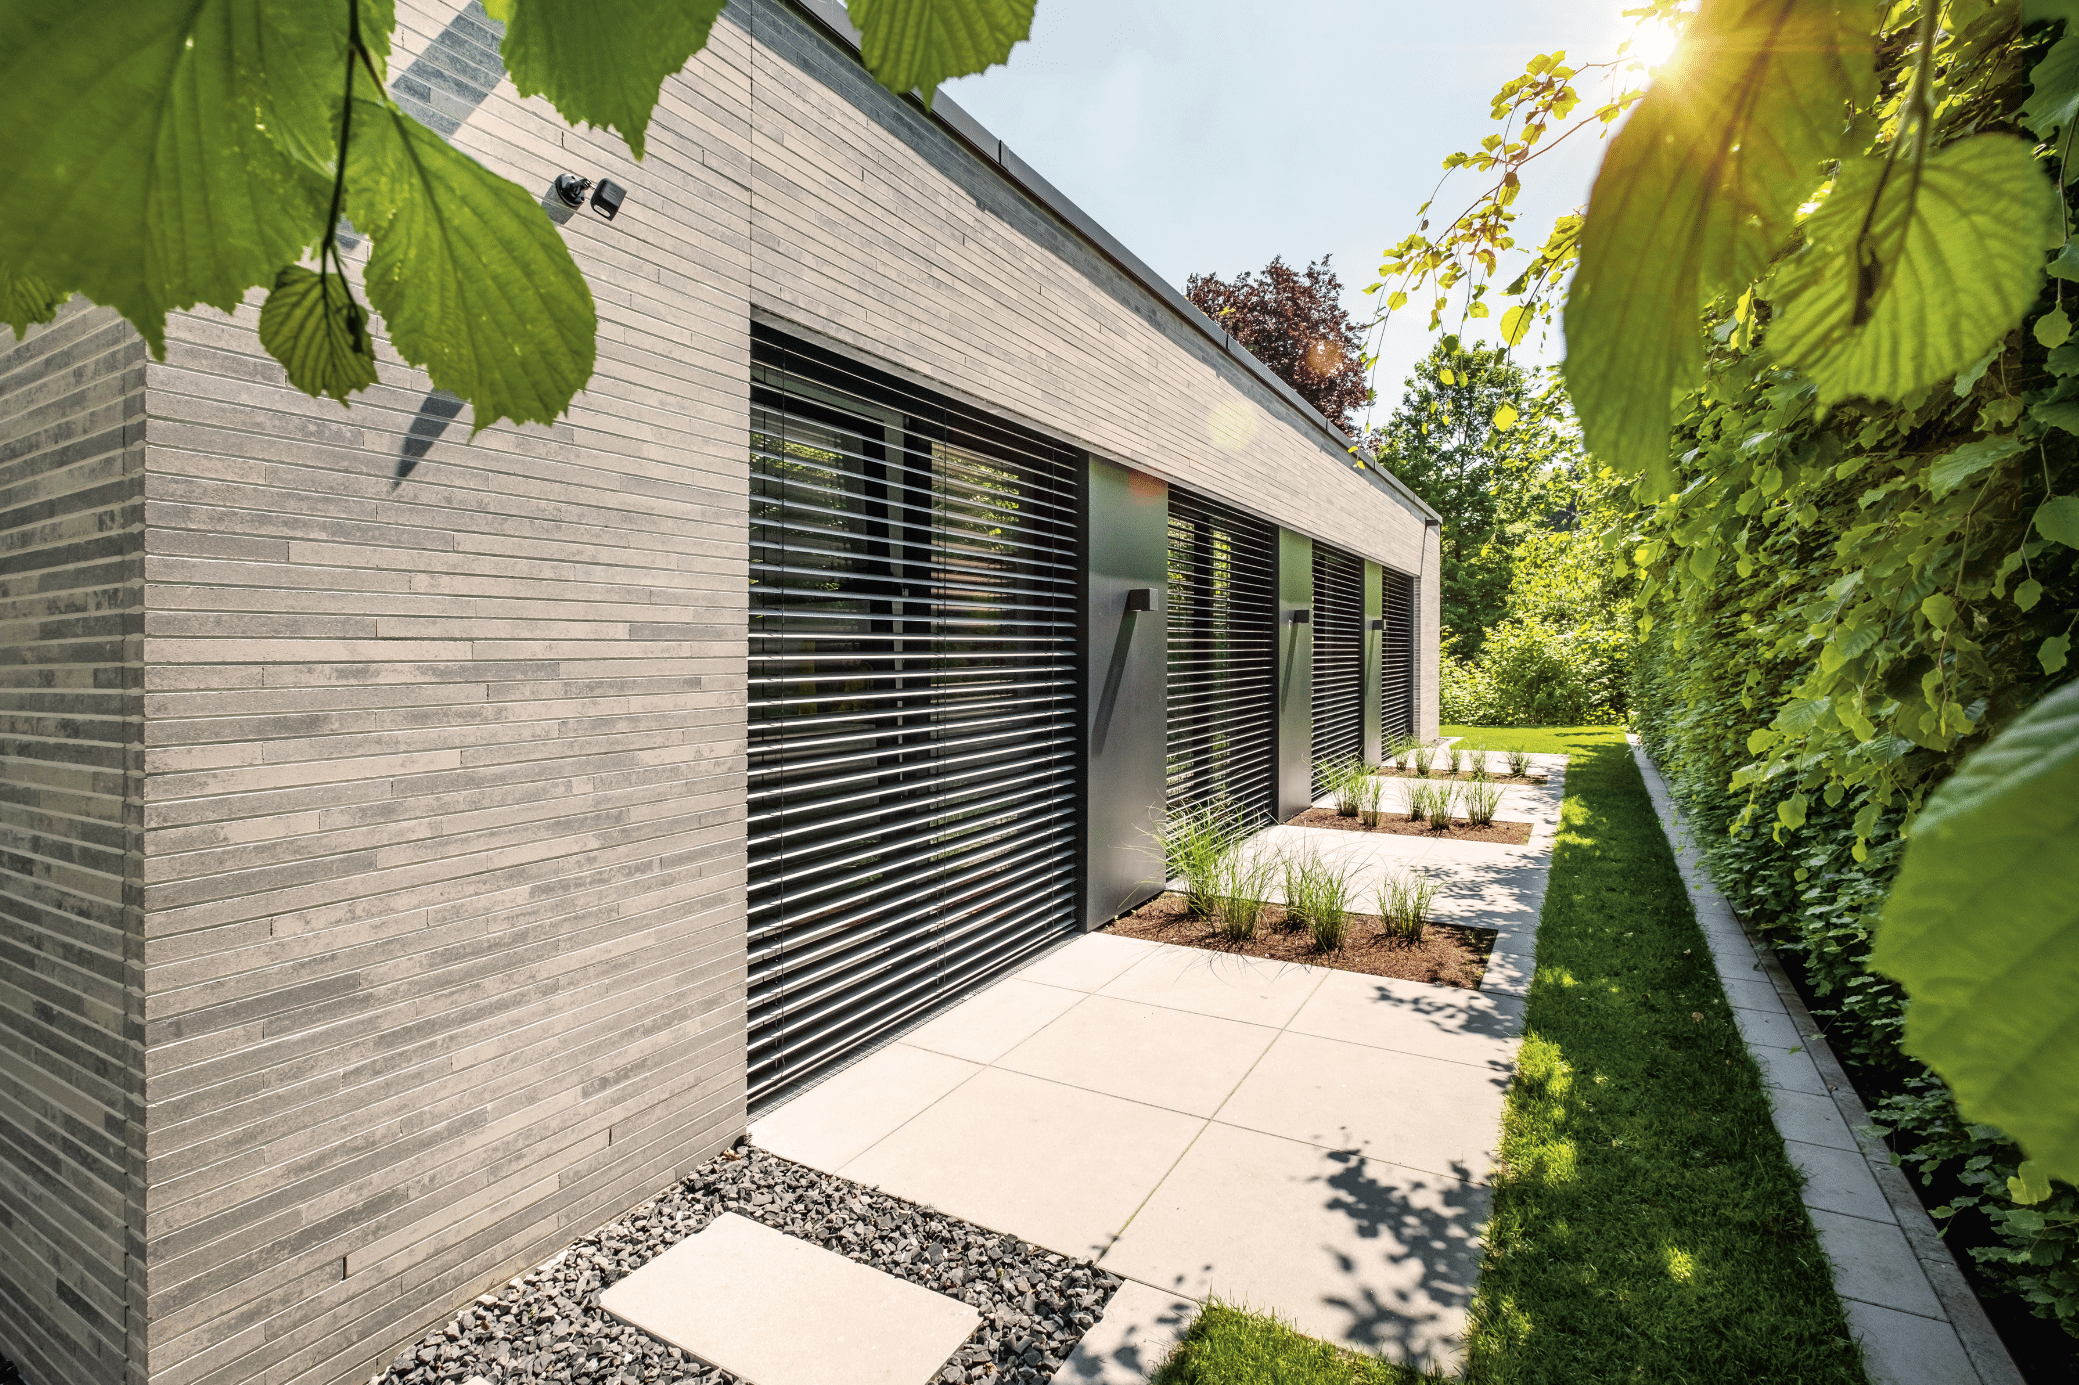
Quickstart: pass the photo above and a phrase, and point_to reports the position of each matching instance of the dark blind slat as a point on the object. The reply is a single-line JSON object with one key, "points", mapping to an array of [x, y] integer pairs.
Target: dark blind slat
{"points": [[1397, 655], [1223, 650], [915, 679], [1338, 658]]}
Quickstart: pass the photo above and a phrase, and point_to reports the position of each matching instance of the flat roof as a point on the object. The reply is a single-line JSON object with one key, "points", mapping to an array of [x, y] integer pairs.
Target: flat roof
{"points": [[830, 16]]}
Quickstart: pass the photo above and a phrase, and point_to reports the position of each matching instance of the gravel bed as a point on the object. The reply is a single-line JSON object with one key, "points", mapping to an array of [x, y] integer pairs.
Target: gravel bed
{"points": [[547, 1324]]}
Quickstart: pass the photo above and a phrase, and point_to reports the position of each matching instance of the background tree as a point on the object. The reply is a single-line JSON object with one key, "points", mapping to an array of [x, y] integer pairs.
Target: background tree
{"points": [[1295, 324], [1475, 437]]}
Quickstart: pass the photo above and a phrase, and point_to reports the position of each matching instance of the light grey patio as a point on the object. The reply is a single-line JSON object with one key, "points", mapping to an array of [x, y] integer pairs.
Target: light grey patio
{"points": [[1294, 1138]]}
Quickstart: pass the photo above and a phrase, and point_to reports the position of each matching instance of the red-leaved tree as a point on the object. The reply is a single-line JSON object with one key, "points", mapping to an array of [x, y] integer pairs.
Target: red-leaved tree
{"points": [[1295, 324]]}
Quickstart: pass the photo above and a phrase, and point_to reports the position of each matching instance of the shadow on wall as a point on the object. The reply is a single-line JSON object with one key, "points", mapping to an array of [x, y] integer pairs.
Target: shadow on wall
{"points": [[436, 411]]}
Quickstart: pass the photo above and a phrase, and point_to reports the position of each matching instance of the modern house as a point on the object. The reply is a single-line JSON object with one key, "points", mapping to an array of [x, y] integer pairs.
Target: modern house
{"points": [[418, 848]]}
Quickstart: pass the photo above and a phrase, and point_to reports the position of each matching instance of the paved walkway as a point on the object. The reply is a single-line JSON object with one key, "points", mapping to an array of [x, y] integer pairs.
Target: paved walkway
{"points": [[1293, 1138], [1907, 1302]]}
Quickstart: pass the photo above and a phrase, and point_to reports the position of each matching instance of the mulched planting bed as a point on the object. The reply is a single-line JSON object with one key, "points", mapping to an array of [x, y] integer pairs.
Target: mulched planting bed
{"points": [[1448, 954], [547, 1325], [1389, 772], [1460, 830]]}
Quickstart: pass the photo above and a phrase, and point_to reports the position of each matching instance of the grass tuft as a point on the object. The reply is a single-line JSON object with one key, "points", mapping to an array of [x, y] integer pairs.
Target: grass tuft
{"points": [[1226, 1345]]}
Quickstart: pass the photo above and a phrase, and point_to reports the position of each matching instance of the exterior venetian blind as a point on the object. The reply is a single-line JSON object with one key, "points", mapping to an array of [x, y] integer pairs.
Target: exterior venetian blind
{"points": [[1338, 625], [1397, 654], [1223, 649], [915, 754]]}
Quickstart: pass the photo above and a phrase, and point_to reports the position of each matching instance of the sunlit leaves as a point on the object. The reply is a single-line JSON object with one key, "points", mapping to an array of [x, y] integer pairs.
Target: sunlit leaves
{"points": [[2054, 98], [1516, 322], [1697, 191], [470, 276], [1951, 261], [1986, 941], [24, 299], [138, 171], [913, 45], [602, 64], [311, 325]]}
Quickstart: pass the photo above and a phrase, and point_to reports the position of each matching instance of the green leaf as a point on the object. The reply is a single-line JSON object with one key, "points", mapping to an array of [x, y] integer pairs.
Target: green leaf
{"points": [[1791, 811], [1955, 467], [1505, 418], [1516, 322], [184, 164], [1699, 188], [2054, 329], [1939, 610], [470, 276], [2028, 1185], [913, 45], [2055, 98], [2057, 519], [2066, 265], [318, 333], [2028, 594], [2054, 652], [2057, 413], [1950, 269], [24, 299], [1982, 929], [604, 64]]}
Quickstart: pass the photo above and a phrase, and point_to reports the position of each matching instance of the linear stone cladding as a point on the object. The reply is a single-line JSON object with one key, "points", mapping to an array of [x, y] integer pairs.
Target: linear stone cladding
{"points": [[435, 749], [71, 997]]}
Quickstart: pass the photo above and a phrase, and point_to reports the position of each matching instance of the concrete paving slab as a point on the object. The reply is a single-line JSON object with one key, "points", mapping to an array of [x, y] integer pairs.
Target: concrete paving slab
{"points": [[1130, 1340], [841, 1118], [1752, 993], [1346, 1248], [1905, 1349], [1812, 1120], [1164, 1057], [990, 1023], [1440, 1117], [775, 1310], [1413, 1017], [1873, 1262], [1057, 1165], [1839, 1180], [1250, 989], [1089, 962]]}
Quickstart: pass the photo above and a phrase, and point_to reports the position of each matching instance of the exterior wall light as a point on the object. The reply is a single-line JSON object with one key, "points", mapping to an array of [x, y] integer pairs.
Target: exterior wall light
{"points": [[1303, 616], [1378, 624], [1140, 599], [607, 195]]}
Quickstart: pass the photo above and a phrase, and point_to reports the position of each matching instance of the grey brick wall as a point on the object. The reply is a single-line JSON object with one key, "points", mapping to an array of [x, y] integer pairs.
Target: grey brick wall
{"points": [[71, 1001]]}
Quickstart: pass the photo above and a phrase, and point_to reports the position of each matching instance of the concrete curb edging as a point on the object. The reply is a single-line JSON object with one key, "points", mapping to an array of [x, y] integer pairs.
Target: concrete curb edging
{"points": [[1896, 1277]]}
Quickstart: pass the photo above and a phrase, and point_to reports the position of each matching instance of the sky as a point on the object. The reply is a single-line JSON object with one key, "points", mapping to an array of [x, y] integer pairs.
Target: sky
{"points": [[1211, 135]]}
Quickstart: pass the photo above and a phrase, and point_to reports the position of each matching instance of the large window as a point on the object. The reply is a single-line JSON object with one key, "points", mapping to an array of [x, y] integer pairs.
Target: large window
{"points": [[1223, 650]]}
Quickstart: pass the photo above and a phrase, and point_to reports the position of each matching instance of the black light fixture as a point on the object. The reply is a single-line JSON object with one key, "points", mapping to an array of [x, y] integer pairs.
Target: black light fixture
{"points": [[607, 195], [1140, 599], [1378, 624], [570, 189], [1303, 616]]}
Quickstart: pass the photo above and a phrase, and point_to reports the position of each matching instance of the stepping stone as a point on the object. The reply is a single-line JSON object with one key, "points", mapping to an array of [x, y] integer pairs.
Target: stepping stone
{"points": [[772, 1309]]}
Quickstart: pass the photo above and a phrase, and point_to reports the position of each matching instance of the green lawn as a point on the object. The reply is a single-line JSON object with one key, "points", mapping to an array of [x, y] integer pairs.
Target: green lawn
{"points": [[1647, 1228], [1539, 740]]}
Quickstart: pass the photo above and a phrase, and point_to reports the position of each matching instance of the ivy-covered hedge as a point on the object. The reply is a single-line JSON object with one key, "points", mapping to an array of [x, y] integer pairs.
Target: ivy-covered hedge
{"points": [[1840, 607]]}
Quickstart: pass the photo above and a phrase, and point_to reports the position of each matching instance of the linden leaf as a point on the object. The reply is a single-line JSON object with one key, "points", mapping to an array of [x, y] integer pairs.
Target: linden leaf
{"points": [[1698, 190], [186, 163], [2028, 594], [1515, 323], [24, 299], [2054, 329], [1982, 929], [913, 45], [2052, 654], [470, 276], [1952, 262], [1939, 610], [2057, 519], [2055, 98], [318, 333], [1959, 465], [1505, 418], [603, 65]]}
